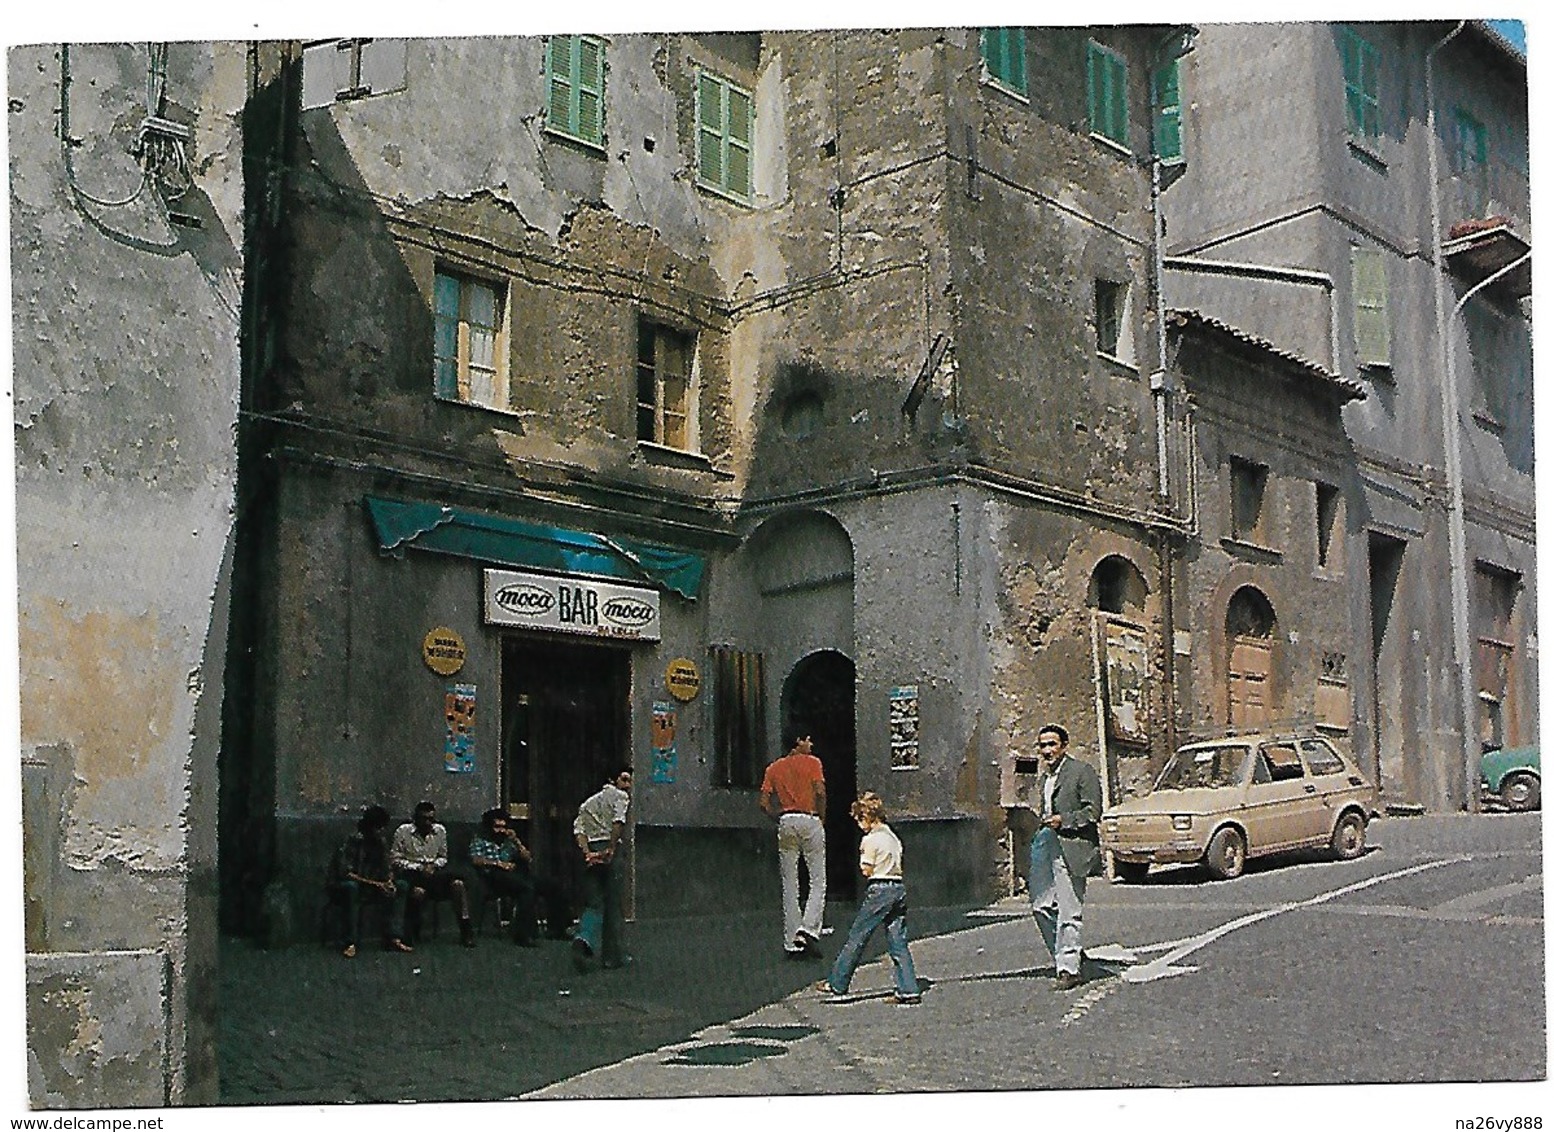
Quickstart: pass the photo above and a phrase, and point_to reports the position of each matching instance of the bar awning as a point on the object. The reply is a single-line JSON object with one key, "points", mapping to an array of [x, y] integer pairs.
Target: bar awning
{"points": [[494, 539]]}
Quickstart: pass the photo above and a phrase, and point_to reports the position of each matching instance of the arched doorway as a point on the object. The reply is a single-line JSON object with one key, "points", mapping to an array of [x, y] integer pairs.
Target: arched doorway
{"points": [[1249, 632], [818, 701]]}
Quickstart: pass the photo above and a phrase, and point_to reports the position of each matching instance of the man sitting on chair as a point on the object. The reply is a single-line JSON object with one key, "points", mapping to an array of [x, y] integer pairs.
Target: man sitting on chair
{"points": [[420, 856], [506, 868]]}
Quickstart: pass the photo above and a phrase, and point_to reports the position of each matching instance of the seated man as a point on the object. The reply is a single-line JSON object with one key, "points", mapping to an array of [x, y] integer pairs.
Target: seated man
{"points": [[420, 857], [361, 871], [506, 867]]}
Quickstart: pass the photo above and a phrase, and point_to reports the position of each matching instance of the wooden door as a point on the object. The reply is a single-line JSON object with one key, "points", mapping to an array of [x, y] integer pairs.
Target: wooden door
{"points": [[1251, 665]]}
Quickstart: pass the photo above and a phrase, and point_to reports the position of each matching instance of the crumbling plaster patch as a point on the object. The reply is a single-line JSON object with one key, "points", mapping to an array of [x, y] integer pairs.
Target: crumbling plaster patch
{"points": [[97, 1028]]}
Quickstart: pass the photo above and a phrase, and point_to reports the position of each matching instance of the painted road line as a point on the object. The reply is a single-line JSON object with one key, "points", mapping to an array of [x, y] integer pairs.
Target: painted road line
{"points": [[1163, 967], [1475, 900]]}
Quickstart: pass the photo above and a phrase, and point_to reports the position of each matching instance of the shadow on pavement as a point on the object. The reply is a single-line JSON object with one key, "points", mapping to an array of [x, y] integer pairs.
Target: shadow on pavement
{"points": [[305, 1026]]}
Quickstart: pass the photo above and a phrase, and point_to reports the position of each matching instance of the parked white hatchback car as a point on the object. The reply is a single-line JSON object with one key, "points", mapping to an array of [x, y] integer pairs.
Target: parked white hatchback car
{"points": [[1221, 802]]}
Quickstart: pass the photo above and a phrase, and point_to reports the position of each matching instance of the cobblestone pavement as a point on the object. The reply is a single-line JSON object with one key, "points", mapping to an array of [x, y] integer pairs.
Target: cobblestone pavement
{"points": [[1421, 961], [303, 1025]]}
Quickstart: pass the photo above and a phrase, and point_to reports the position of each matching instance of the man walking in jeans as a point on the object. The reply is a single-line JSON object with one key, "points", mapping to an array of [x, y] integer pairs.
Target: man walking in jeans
{"points": [[794, 792]]}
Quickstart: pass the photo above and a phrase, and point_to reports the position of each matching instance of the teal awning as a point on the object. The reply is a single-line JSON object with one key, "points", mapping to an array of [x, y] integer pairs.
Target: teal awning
{"points": [[491, 538]]}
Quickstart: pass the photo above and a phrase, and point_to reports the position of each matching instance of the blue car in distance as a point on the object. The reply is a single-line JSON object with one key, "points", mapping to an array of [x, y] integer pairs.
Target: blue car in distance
{"points": [[1511, 777]]}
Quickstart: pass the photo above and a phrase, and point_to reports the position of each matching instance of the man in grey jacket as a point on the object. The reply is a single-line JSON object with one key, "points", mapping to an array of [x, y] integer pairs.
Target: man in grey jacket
{"points": [[1065, 851]]}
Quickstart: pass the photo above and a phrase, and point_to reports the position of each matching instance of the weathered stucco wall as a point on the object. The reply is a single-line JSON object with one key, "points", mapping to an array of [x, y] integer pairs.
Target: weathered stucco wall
{"points": [[126, 369]]}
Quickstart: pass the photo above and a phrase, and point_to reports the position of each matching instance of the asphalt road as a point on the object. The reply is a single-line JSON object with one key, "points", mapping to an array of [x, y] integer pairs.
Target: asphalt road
{"points": [[1421, 961]]}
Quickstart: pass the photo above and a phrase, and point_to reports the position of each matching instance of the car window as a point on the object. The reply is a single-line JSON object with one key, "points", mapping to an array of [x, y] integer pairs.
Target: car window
{"points": [[1283, 761], [1195, 767], [1260, 771], [1321, 758]]}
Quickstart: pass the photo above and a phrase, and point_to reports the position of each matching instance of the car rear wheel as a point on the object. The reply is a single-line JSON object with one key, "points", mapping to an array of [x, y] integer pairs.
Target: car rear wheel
{"points": [[1226, 855], [1132, 872], [1521, 792], [1349, 836]]}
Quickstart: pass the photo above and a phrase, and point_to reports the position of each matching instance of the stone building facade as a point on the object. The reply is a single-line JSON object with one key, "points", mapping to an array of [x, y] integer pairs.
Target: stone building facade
{"points": [[608, 400], [127, 213], [729, 306], [1391, 245]]}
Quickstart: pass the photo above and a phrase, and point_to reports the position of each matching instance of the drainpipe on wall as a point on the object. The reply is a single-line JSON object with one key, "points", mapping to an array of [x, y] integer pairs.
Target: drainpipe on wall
{"points": [[1159, 382], [1451, 443]]}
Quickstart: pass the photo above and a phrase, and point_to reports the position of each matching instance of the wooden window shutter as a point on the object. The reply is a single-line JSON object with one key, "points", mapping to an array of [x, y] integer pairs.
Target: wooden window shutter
{"points": [[1106, 78], [590, 89], [558, 109], [709, 119], [1372, 329], [1167, 99], [740, 121]]}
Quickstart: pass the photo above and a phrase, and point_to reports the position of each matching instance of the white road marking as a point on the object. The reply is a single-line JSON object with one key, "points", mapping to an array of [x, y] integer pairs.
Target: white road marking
{"points": [[1162, 968], [1475, 900]]}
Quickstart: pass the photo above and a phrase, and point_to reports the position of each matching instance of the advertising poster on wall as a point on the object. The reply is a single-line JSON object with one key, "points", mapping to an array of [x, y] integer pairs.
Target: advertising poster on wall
{"points": [[903, 727], [665, 752], [458, 752]]}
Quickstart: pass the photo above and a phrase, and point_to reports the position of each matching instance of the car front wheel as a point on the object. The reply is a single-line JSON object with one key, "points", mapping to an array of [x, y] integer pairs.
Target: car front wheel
{"points": [[1349, 836], [1226, 855], [1521, 792]]}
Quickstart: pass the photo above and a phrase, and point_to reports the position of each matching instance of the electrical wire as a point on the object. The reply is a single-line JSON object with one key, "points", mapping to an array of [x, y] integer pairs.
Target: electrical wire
{"points": [[66, 142]]}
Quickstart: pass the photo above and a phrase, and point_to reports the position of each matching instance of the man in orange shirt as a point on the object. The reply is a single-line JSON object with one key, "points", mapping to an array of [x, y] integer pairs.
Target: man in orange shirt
{"points": [[794, 792]]}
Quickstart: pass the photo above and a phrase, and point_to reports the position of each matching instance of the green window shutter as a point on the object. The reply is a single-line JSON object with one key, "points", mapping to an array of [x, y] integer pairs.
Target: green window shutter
{"points": [[1106, 80], [590, 89], [1372, 328], [559, 106], [737, 164], [1015, 50], [574, 75], [1003, 55], [1362, 84], [725, 136], [1167, 99], [709, 132]]}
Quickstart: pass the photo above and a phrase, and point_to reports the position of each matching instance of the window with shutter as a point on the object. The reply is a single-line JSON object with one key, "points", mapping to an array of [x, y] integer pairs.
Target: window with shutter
{"points": [[1106, 80], [469, 340], [1362, 70], [738, 717], [725, 136], [666, 386], [1165, 95], [1003, 58], [1372, 324], [574, 78]]}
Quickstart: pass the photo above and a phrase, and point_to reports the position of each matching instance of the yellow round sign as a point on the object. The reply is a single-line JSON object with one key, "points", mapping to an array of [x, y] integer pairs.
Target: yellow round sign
{"points": [[682, 679], [443, 651]]}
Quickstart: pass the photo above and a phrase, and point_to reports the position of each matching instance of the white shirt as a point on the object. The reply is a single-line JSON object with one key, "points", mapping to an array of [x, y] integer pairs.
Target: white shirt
{"points": [[1051, 785], [597, 816], [881, 848], [411, 850]]}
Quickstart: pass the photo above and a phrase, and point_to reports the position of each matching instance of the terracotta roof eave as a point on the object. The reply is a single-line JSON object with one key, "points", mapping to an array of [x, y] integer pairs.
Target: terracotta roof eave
{"points": [[1345, 388]]}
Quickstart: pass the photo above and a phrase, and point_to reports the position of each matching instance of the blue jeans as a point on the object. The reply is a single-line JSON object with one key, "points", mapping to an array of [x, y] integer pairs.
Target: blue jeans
{"points": [[599, 927], [353, 895], [884, 904]]}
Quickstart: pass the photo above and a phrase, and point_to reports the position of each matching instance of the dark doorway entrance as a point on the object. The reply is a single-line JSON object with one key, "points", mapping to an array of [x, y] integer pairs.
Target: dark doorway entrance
{"points": [[1388, 663], [818, 702], [565, 730]]}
